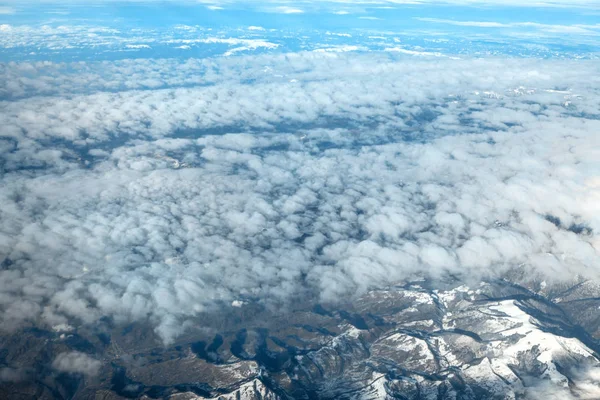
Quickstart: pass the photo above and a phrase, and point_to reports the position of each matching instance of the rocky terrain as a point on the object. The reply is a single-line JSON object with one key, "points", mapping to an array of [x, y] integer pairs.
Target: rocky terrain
{"points": [[494, 340]]}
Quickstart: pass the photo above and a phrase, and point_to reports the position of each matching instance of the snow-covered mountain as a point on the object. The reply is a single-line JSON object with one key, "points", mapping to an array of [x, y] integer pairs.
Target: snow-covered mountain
{"points": [[495, 340]]}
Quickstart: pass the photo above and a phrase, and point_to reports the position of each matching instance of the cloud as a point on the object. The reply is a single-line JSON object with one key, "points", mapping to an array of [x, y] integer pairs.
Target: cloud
{"points": [[580, 29], [7, 11], [479, 24], [398, 49], [339, 49], [273, 178], [138, 46], [286, 10], [246, 44], [43, 40], [51, 38], [75, 362], [242, 44], [586, 386]]}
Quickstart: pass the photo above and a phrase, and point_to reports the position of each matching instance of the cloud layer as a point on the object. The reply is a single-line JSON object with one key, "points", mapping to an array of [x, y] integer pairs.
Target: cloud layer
{"points": [[271, 178]]}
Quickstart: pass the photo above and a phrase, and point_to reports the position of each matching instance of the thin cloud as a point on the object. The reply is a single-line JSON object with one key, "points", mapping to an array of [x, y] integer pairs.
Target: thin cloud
{"points": [[573, 29], [286, 10]]}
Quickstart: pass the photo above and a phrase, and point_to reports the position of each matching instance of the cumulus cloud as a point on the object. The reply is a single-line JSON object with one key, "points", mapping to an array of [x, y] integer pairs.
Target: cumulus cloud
{"points": [[28, 40], [326, 175], [75, 362], [586, 386]]}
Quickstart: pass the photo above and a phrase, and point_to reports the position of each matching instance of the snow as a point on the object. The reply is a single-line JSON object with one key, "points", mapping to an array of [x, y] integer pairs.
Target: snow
{"points": [[408, 344], [484, 374], [550, 346], [419, 297]]}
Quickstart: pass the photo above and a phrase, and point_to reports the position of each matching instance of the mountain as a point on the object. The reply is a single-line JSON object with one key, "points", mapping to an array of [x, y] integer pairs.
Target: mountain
{"points": [[494, 340]]}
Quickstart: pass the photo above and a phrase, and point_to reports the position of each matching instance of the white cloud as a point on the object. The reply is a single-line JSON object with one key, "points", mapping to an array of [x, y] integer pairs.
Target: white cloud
{"points": [[138, 46], [339, 49], [286, 10], [398, 49], [163, 204], [76, 363], [480, 24], [572, 29], [243, 44], [587, 387]]}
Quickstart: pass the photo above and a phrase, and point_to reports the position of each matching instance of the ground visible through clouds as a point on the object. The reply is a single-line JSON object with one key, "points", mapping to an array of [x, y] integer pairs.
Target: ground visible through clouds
{"points": [[322, 201]]}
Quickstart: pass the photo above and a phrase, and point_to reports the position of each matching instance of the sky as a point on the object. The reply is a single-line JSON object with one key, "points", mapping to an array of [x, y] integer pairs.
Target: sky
{"points": [[163, 160], [59, 31]]}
